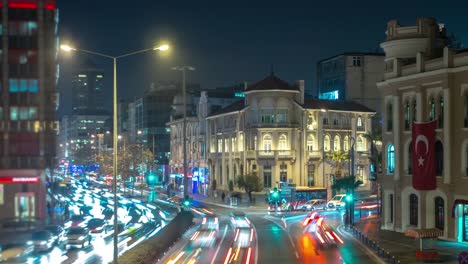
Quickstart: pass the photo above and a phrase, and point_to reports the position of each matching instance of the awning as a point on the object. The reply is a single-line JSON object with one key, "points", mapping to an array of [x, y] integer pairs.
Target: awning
{"points": [[455, 203], [424, 233]]}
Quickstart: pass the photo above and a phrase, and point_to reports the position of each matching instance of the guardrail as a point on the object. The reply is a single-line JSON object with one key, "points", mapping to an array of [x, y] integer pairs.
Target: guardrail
{"points": [[374, 246]]}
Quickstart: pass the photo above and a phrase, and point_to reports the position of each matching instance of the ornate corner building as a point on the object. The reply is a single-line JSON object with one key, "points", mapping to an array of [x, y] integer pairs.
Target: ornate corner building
{"points": [[275, 132]]}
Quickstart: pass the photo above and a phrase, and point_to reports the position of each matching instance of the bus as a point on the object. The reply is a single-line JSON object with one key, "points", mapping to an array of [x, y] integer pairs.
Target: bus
{"points": [[292, 197]]}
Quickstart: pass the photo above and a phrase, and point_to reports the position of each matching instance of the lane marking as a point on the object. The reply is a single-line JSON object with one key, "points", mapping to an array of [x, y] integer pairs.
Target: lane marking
{"points": [[220, 243], [286, 231], [256, 243]]}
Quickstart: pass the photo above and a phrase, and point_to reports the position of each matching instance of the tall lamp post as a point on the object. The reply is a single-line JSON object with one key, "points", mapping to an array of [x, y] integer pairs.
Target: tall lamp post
{"points": [[184, 69], [69, 48]]}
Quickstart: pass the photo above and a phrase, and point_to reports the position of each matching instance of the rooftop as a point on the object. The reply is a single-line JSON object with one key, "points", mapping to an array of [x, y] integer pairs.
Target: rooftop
{"points": [[271, 83], [236, 106], [336, 105]]}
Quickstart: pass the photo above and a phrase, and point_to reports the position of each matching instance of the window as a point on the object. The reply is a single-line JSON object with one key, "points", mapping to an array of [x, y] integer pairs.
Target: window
{"points": [[255, 143], [346, 143], [357, 61], [389, 117], [439, 158], [360, 173], [360, 144], [233, 144], [390, 159], [432, 110], [220, 174], [439, 213], [415, 110], [267, 116], [465, 123], [220, 145], [22, 28], [226, 145], [282, 144], [267, 142], [310, 175], [284, 172], [440, 118], [23, 85], [241, 142], [13, 113], [407, 115], [325, 120], [1, 115], [282, 116], [410, 158], [359, 122], [336, 143], [310, 143], [413, 209], [326, 143], [335, 120], [227, 173], [390, 198], [267, 176]]}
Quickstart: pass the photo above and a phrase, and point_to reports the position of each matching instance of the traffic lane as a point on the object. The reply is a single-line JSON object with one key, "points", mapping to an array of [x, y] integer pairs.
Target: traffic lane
{"points": [[312, 252], [273, 244]]}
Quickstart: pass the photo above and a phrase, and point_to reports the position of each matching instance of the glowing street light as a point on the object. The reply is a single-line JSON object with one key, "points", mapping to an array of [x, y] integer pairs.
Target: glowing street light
{"points": [[66, 48], [162, 47]]}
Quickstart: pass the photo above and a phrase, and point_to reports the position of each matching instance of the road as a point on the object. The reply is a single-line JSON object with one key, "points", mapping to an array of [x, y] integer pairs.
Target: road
{"points": [[278, 239]]}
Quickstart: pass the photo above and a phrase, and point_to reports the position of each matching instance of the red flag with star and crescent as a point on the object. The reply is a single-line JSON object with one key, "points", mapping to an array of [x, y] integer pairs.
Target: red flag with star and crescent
{"points": [[423, 140]]}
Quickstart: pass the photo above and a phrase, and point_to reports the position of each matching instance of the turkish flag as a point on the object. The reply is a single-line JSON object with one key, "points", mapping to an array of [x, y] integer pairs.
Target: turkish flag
{"points": [[423, 156]]}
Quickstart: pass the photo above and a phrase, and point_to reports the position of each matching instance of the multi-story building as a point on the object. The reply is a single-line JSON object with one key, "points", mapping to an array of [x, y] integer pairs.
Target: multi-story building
{"points": [[352, 76], [207, 102], [425, 80], [27, 106], [87, 87], [276, 133]]}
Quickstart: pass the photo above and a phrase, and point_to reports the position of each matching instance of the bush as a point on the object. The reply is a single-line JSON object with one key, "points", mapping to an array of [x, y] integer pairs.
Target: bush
{"points": [[154, 248]]}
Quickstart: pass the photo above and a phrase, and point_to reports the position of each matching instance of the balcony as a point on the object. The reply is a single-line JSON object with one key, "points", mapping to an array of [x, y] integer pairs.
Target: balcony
{"points": [[338, 126], [272, 125], [276, 154], [315, 154]]}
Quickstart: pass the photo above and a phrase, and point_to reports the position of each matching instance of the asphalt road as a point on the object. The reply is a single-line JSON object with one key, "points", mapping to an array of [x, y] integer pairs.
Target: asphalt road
{"points": [[279, 239]]}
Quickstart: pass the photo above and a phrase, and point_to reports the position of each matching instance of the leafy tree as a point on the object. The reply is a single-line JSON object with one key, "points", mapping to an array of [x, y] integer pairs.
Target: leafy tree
{"points": [[250, 183], [348, 184], [338, 157]]}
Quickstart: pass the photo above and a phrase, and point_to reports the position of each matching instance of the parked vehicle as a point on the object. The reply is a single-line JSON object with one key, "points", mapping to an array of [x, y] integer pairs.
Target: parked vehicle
{"points": [[42, 240], [78, 236], [337, 202], [315, 204]]}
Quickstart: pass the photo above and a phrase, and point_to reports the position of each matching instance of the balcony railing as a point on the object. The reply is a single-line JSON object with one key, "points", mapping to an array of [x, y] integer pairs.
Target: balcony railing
{"points": [[337, 126], [253, 154], [314, 154]]}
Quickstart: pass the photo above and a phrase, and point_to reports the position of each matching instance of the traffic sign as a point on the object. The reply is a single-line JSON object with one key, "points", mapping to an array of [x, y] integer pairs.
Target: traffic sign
{"points": [[463, 257]]}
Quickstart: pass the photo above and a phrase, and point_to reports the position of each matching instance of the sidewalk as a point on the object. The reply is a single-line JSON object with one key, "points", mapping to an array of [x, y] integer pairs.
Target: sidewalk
{"points": [[225, 204], [404, 248]]}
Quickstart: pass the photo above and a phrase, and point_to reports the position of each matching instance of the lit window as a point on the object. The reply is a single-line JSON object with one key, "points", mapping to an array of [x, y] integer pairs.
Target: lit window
{"points": [[310, 143], [23, 113], [336, 143], [346, 143], [267, 143], [390, 159], [282, 115], [360, 144], [282, 144], [359, 121], [326, 143], [333, 95], [14, 85], [32, 113], [13, 113]]}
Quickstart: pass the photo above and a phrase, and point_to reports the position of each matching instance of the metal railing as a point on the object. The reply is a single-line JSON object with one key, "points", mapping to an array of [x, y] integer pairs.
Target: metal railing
{"points": [[374, 246]]}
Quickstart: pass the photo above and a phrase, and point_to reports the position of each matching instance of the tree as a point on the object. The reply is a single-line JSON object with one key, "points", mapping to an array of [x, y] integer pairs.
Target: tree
{"points": [[250, 183], [338, 157], [348, 184], [375, 156]]}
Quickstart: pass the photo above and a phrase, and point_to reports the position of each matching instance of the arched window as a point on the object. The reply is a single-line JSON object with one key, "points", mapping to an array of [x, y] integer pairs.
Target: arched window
{"points": [[282, 143], [326, 143], [389, 117], [346, 143], [267, 142], [439, 158], [432, 109], [360, 144], [359, 122], [439, 212], [407, 115], [410, 158], [440, 121], [415, 111], [310, 143], [390, 159], [241, 142], [413, 209], [336, 143]]}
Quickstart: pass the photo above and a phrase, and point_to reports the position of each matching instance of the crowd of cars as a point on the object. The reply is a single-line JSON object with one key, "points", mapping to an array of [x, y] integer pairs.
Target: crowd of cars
{"points": [[91, 213]]}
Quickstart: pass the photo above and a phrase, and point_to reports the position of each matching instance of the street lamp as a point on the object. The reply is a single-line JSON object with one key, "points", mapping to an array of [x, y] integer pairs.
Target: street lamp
{"points": [[183, 69], [69, 48]]}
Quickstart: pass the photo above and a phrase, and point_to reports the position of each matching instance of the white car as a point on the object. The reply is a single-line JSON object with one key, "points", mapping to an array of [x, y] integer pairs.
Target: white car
{"points": [[337, 202], [312, 205]]}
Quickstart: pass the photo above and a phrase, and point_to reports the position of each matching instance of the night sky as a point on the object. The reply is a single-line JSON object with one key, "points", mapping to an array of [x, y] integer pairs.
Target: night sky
{"points": [[234, 42]]}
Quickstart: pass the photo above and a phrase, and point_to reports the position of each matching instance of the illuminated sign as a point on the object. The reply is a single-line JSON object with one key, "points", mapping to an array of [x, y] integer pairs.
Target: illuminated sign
{"points": [[333, 95], [11, 179], [239, 94]]}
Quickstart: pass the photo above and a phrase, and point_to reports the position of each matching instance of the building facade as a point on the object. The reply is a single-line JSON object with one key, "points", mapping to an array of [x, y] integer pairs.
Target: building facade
{"points": [[277, 134], [28, 103], [425, 80], [352, 76], [87, 87]]}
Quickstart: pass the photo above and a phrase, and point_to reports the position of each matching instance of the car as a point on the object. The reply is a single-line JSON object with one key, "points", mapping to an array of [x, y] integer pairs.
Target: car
{"points": [[96, 225], [323, 233], [239, 219], [16, 252], [314, 204], [210, 222], [203, 238], [57, 232], [311, 218], [78, 236], [78, 220], [244, 237], [42, 240], [337, 202]]}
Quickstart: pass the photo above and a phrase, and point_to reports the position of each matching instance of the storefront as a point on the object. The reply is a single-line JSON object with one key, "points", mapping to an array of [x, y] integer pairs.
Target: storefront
{"points": [[22, 195]]}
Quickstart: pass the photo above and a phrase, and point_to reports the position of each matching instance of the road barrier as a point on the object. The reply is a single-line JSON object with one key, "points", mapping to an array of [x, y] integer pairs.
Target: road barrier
{"points": [[374, 246]]}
